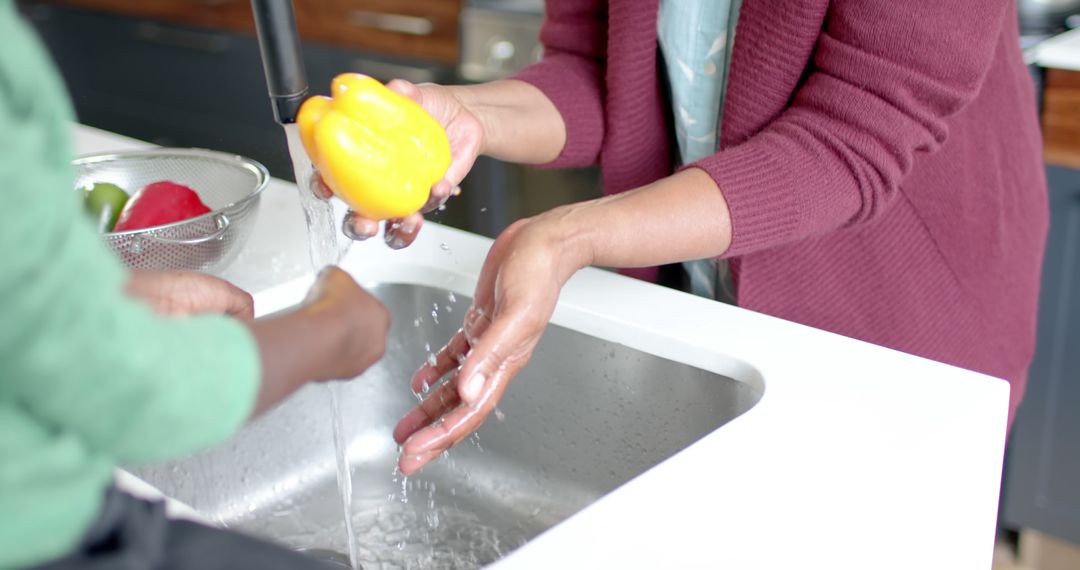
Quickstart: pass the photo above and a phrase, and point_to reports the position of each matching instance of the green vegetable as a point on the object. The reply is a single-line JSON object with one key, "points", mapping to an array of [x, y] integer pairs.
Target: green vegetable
{"points": [[104, 195]]}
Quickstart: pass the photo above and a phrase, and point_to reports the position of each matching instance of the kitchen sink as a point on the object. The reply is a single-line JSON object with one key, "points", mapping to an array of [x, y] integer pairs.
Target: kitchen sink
{"points": [[585, 417]]}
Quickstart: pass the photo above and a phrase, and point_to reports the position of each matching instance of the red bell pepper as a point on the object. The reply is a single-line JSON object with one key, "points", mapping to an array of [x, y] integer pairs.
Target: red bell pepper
{"points": [[158, 204]]}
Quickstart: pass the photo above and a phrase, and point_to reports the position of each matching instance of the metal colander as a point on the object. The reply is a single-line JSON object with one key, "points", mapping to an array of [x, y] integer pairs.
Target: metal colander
{"points": [[228, 184]]}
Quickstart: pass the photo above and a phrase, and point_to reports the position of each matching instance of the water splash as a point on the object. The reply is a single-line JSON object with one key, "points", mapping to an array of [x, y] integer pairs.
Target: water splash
{"points": [[324, 249], [323, 245], [344, 474], [434, 538]]}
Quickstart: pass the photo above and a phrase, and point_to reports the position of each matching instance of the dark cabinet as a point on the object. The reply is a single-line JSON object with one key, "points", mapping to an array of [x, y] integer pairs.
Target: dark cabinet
{"points": [[1042, 474], [170, 85], [417, 29], [189, 86]]}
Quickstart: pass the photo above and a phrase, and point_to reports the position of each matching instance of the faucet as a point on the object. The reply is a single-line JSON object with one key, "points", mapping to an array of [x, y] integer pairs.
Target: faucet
{"points": [[283, 62]]}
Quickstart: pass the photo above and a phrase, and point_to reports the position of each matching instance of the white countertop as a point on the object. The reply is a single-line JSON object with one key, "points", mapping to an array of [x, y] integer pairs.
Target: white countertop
{"points": [[1061, 51], [856, 456], [277, 249]]}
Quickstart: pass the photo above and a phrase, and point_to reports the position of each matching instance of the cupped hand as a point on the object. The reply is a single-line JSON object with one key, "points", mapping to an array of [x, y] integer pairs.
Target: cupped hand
{"points": [[515, 297], [181, 293], [465, 133]]}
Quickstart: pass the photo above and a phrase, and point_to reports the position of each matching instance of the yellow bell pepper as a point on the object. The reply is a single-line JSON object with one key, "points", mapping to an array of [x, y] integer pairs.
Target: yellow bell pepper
{"points": [[379, 151]]}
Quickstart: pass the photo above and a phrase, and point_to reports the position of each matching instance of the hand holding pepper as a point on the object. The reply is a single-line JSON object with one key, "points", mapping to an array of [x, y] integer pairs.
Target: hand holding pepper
{"points": [[465, 135]]}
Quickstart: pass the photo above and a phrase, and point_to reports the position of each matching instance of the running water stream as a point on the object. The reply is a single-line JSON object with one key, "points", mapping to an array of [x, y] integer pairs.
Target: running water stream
{"points": [[344, 474], [324, 249], [323, 245]]}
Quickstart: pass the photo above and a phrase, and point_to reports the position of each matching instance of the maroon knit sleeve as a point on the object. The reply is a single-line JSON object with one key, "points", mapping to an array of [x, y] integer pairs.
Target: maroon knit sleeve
{"points": [[574, 35], [884, 78]]}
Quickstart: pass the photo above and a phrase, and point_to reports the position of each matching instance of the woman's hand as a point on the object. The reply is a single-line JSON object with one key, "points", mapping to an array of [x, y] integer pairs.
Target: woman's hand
{"points": [[507, 119], [515, 297], [519, 286], [181, 293], [466, 136]]}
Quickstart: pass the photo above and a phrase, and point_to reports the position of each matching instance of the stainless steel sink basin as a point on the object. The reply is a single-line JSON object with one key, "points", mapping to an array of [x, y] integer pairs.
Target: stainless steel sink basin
{"points": [[585, 417]]}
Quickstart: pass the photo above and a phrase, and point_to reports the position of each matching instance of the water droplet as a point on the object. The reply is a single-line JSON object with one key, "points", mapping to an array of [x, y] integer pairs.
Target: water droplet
{"points": [[443, 246], [451, 297], [484, 209], [432, 360], [427, 347]]}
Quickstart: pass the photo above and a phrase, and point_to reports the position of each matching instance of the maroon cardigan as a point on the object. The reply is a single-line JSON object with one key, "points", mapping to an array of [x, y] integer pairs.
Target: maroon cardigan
{"points": [[881, 161]]}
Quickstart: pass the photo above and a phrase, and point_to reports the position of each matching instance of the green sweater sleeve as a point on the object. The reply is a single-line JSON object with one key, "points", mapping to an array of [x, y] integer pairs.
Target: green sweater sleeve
{"points": [[74, 351]]}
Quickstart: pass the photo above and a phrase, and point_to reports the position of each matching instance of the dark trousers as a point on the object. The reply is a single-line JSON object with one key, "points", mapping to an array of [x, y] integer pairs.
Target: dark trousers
{"points": [[135, 534]]}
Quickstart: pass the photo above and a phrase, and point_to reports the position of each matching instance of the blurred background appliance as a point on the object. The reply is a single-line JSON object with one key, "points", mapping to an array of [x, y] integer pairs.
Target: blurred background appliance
{"points": [[1047, 17]]}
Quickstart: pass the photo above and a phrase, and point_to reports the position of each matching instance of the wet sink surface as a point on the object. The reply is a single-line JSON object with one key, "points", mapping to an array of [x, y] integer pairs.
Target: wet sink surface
{"points": [[584, 417]]}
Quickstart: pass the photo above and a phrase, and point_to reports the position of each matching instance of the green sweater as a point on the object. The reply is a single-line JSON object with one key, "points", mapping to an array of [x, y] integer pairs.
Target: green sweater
{"points": [[88, 378]]}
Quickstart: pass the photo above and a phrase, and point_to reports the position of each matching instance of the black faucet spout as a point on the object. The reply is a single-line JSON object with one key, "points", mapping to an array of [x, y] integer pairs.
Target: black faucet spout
{"points": [[283, 61]]}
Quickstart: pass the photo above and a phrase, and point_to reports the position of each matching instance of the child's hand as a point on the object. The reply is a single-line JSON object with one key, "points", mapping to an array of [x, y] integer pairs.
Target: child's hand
{"points": [[180, 293], [336, 333], [354, 324]]}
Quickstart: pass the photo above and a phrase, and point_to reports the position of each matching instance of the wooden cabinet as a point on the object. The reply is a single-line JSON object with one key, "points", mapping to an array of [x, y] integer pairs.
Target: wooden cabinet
{"points": [[1061, 117], [422, 29], [425, 29]]}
